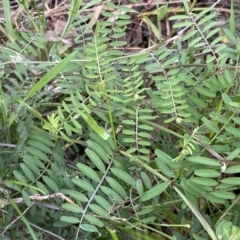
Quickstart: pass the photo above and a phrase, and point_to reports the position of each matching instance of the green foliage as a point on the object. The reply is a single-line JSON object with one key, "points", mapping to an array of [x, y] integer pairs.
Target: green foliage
{"points": [[88, 148]]}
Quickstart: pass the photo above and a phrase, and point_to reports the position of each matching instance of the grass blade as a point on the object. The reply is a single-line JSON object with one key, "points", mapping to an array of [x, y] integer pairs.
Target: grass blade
{"points": [[50, 75]]}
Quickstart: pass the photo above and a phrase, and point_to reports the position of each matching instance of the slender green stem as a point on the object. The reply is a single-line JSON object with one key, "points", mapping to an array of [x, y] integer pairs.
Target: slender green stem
{"points": [[4, 114]]}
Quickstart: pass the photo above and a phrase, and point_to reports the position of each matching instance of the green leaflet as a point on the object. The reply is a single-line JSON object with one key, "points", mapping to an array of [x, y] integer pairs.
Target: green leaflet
{"points": [[204, 181], [207, 173], [123, 176], [51, 184], [93, 220], [77, 195], [69, 219], [223, 194], [233, 169], [116, 186], [27, 172], [89, 172], [102, 202], [84, 184], [99, 210], [155, 191], [95, 157], [204, 160], [26, 198], [72, 208], [88, 228], [111, 194]]}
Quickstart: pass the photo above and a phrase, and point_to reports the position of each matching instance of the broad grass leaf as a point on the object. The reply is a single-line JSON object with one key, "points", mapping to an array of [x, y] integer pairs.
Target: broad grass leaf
{"points": [[155, 191], [72, 208], [95, 127], [89, 172], [50, 75], [232, 19], [197, 214], [230, 36], [8, 21], [152, 26]]}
